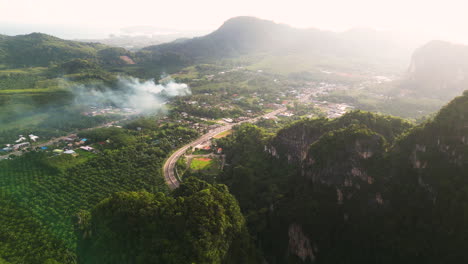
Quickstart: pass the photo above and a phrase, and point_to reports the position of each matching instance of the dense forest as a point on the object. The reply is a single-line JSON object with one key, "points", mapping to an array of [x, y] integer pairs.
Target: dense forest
{"points": [[363, 188], [41, 192], [357, 189], [197, 223]]}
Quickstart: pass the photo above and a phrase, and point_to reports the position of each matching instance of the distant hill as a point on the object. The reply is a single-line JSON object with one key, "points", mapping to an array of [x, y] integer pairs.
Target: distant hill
{"points": [[306, 49], [39, 49], [438, 69], [136, 42], [250, 35], [236, 36]]}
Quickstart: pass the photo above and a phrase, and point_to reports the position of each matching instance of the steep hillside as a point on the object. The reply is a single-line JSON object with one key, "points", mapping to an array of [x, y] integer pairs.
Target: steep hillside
{"points": [[292, 143], [437, 152], [237, 36], [198, 223], [357, 192], [438, 69], [343, 156]]}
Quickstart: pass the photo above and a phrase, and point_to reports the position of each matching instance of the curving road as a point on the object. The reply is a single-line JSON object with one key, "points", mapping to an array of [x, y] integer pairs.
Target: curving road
{"points": [[169, 166]]}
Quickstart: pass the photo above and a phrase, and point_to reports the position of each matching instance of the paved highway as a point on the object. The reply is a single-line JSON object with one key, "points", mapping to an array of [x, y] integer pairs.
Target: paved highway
{"points": [[169, 166]]}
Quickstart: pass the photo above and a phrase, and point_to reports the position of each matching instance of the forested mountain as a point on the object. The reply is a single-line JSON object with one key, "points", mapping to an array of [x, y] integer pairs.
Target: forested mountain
{"points": [[250, 35], [438, 69], [363, 188], [37, 49], [198, 223], [360, 189]]}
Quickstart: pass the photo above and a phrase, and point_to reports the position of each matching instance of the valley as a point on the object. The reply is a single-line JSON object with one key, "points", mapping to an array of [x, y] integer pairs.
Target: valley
{"points": [[238, 146]]}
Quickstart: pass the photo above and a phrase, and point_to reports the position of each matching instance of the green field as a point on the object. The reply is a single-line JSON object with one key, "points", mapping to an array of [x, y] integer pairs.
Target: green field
{"points": [[206, 165], [223, 134], [33, 91]]}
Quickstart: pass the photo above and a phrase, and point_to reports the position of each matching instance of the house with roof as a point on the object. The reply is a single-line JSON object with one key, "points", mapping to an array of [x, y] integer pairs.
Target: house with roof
{"points": [[33, 137], [206, 147], [20, 139], [21, 145], [87, 148], [57, 151], [6, 149]]}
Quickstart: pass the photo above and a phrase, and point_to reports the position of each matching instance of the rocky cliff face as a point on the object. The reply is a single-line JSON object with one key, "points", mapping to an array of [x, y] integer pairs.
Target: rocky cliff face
{"points": [[292, 143], [299, 243], [439, 147], [438, 69]]}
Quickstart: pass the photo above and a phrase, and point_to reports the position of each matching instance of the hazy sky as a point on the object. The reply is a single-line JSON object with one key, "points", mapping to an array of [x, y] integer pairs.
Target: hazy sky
{"points": [[447, 19]]}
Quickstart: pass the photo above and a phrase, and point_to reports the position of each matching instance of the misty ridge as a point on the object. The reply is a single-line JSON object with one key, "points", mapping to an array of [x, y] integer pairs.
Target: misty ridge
{"points": [[130, 92]]}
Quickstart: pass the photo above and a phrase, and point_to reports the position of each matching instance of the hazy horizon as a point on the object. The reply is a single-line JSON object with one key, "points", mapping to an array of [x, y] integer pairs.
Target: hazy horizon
{"points": [[91, 19]]}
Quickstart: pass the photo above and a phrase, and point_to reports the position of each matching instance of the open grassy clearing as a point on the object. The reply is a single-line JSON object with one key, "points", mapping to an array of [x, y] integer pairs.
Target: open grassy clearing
{"points": [[223, 134], [205, 165], [30, 70], [33, 90], [66, 161]]}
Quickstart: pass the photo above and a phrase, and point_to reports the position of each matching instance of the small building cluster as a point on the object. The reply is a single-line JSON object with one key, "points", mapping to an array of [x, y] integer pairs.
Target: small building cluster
{"points": [[21, 143], [70, 144], [109, 110]]}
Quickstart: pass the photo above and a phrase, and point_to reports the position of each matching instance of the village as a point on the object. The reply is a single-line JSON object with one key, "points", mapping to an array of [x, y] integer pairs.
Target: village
{"points": [[70, 145], [206, 111], [109, 110]]}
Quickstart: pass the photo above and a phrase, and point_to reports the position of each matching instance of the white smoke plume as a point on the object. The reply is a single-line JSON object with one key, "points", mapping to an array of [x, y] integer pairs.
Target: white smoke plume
{"points": [[131, 92]]}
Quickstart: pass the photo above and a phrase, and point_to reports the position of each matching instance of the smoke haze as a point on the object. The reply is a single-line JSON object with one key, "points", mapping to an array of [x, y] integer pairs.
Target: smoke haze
{"points": [[132, 93]]}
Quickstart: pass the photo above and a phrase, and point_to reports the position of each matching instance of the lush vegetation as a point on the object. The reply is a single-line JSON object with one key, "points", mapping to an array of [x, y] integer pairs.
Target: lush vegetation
{"points": [[41, 192], [362, 192], [38, 49], [362, 188], [198, 223], [210, 166]]}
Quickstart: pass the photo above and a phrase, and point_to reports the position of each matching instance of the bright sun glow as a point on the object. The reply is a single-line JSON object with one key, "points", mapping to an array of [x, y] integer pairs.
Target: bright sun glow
{"points": [[442, 19]]}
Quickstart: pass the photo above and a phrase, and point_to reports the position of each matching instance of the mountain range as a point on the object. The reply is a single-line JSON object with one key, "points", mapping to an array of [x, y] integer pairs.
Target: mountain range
{"points": [[249, 35], [437, 69]]}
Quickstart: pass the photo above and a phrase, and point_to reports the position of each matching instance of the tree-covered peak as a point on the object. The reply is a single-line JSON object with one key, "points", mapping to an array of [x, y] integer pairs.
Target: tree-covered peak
{"points": [[198, 224], [35, 36], [455, 114]]}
